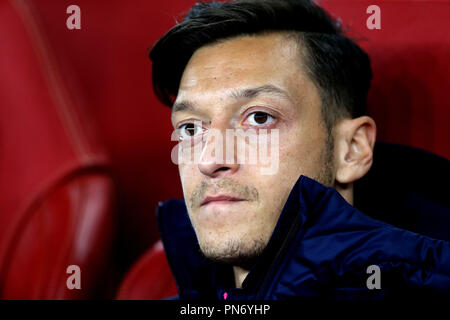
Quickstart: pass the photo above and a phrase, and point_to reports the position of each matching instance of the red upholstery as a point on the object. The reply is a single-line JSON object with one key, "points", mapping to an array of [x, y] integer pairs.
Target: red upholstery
{"points": [[56, 197], [150, 278], [69, 226], [409, 97], [109, 60]]}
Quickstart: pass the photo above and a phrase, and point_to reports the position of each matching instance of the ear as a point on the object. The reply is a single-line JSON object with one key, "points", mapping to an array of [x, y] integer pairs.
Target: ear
{"points": [[354, 141]]}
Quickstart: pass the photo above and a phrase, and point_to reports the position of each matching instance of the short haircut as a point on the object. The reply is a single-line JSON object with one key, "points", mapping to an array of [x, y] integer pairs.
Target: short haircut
{"points": [[338, 67]]}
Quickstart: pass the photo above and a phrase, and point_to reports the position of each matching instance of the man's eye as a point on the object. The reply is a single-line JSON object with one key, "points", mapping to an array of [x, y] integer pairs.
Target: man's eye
{"points": [[259, 118], [189, 130]]}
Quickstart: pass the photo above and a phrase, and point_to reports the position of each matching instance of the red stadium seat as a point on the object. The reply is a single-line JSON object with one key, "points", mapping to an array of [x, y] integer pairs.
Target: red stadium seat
{"points": [[56, 192], [70, 225], [150, 278]]}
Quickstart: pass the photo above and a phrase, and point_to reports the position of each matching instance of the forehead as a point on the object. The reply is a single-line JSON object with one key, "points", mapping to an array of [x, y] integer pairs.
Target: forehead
{"points": [[245, 61]]}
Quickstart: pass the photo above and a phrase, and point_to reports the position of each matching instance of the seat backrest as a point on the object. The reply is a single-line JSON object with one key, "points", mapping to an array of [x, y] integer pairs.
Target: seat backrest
{"points": [[71, 225], [149, 278], [56, 193]]}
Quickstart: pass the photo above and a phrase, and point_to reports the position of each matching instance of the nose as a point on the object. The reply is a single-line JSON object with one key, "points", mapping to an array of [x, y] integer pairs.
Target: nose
{"points": [[216, 150]]}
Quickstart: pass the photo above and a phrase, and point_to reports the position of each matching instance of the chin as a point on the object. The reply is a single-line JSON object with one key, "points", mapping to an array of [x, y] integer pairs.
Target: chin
{"points": [[233, 250]]}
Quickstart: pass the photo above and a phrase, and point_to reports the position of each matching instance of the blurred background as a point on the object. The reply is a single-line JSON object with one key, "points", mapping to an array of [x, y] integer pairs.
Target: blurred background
{"points": [[85, 145]]}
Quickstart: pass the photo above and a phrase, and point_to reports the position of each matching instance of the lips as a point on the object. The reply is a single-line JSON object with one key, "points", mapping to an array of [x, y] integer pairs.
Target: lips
{"points": [[222, 199]]}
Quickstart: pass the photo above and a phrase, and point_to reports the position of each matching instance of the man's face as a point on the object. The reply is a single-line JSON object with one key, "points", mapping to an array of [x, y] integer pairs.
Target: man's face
{"points": [[234, 207]]}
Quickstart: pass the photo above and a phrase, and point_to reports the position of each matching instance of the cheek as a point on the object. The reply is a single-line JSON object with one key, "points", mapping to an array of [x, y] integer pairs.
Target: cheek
{"points": [[188, 176], [300, 151], [292, 161]]}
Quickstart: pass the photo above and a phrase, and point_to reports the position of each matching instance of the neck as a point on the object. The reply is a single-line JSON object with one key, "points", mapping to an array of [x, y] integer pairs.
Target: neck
{"points": [[239, 276], [346, 191]]}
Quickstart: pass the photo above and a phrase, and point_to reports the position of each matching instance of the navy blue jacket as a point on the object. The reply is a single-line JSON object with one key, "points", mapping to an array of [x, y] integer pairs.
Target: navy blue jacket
{"points": [[320, 247]]}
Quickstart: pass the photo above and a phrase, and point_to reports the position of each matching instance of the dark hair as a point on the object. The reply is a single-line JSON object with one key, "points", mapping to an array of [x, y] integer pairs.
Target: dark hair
{"points": [[339, 68]]}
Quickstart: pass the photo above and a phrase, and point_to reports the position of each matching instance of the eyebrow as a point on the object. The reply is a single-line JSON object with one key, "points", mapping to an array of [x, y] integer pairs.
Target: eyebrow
{"points": [[254, 92], [239, 94], [182, 106]]}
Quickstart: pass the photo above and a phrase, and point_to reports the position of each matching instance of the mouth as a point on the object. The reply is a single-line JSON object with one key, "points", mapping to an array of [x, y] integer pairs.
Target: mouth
{"points": [[220, 199]]}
